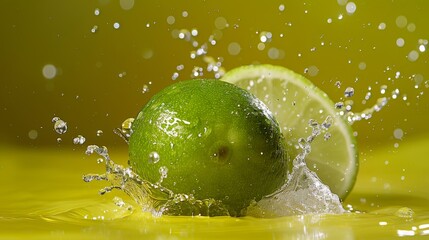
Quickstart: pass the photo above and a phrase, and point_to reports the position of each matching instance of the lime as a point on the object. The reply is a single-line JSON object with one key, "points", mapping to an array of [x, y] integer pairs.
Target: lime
{"points": [[294, 101], [211, 139]]}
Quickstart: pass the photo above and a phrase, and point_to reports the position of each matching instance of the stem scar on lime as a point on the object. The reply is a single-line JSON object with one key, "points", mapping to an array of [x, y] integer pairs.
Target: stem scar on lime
{"points": [[213, 140]]}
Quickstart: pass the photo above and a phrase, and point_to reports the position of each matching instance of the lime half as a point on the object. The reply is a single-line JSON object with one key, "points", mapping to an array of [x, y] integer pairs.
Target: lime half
{"points": [[294, 100]]}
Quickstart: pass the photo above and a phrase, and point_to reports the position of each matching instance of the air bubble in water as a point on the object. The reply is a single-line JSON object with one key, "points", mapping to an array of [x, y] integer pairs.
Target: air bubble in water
{"points": [[99, 133], [153, 157], [79, 140], [59, 125]]}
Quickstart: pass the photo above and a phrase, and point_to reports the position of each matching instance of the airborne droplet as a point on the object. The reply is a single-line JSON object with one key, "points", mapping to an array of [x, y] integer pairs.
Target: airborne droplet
{"points": [[349, 92], [79, 140], [59, 125]]}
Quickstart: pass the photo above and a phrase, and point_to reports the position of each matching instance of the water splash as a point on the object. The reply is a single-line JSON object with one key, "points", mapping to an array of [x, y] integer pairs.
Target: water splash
{"points": [[150, 197], [303, 192]]}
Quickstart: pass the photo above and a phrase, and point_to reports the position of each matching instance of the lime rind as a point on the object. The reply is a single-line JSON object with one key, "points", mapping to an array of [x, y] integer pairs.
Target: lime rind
{"points": [[294, 100]]}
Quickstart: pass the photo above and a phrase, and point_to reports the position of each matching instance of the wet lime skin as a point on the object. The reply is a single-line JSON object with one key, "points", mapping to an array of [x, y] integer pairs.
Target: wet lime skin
{"points": [[214, 140]]}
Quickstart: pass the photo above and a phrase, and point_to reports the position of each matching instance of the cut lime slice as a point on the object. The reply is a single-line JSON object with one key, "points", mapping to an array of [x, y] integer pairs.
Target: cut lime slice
{"points": [[294, 100]]}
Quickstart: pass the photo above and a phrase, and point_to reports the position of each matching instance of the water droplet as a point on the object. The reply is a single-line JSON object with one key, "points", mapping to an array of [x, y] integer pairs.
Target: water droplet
{"points": [[147, 53], [49, 71], [265, 37], [127, 124], [339, 105], [234, 48], [220, 23], [97, 12], [411, 27], [382, 26], [395, 94], [328, 122], [99, 133], [175, 76], [327, 136], [59, 125], [59, 140], [342, 2], [312, 71], [122, 74], [145, 88], [349, 92], [281, 7], [404, 212], [94, 29], [338, 84], [398, 133], [32, 134], [400, 42], [100, 160], [180, 67], [153, 157], [362, 65], [401, 21], [383, 89], [351, 7], [79, 140], [413, 56], [126, 4], [171, 20]]}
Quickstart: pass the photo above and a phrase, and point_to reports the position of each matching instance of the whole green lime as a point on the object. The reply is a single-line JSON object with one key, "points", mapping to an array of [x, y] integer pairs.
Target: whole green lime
{"points": [[210, 139]]}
